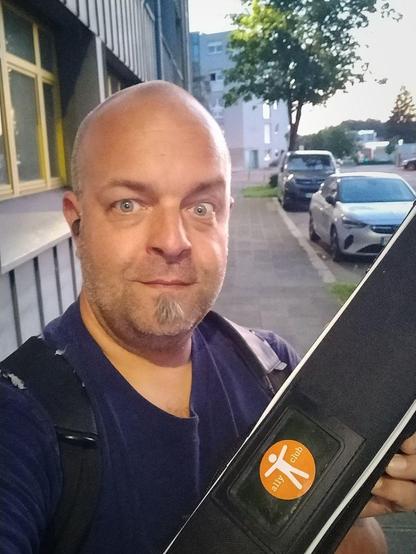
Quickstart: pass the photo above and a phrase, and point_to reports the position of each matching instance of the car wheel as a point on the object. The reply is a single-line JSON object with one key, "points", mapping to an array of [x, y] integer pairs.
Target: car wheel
{"points": [[312, 233], [412, 165], [287, 204], [336, 253]]}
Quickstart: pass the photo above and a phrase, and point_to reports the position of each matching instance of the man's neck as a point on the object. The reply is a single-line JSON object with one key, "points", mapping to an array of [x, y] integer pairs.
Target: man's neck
{"points": [[164, 378], [166, 351]]}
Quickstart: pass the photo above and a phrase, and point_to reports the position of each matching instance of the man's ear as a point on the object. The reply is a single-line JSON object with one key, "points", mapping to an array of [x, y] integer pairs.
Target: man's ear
{"points": [[231, 202], [72, 212]]}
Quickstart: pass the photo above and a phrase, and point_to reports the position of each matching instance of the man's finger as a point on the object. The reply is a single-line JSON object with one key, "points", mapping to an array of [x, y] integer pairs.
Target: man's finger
{"points": [[402, 466], [409, 445], [401, 494]]}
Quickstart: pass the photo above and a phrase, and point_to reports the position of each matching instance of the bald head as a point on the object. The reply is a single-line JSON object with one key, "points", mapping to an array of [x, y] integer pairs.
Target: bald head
{"points": [[155, 103]]}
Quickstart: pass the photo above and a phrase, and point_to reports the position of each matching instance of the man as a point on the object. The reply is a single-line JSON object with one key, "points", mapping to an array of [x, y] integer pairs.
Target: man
{"points": [[149, 214]]}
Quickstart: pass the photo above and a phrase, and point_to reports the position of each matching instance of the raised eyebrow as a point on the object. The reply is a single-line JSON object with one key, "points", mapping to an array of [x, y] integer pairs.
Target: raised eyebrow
{"points": [[208, 186], [135, 186]]}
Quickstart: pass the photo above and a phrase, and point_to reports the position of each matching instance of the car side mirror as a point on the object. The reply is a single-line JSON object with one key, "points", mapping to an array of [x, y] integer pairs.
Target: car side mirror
{"points": [[330, 199]]}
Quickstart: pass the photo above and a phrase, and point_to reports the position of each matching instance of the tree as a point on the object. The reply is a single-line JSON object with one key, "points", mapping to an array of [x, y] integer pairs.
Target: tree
{"points": [[375, 124], [339, 140], [299, 51], [402, 122]]}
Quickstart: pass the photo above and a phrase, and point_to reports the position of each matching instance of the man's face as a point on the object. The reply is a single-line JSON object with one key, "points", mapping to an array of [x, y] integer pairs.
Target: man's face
{"points": [[154, 210]]}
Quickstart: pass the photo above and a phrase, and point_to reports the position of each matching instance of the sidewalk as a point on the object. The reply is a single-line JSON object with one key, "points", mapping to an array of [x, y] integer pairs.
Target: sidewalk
{"points": [[271, 284]]}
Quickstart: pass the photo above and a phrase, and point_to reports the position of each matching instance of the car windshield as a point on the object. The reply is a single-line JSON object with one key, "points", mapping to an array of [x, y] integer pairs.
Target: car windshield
{"points": [[315, 162], [374, 189]]}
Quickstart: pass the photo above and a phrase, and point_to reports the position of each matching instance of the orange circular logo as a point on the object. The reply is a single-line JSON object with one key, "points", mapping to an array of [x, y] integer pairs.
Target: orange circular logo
{"points": [[287, 470]]}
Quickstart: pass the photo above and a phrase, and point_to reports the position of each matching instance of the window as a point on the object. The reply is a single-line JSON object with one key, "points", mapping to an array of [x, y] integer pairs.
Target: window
{"points": [[216, 79], [266, 111], [31, 143], [215, 47], [267, 133], [217, 109]]}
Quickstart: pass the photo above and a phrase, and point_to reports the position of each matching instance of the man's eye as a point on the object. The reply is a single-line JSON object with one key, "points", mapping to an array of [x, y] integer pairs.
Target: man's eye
{"points": [[203, 209], [126, 206]]}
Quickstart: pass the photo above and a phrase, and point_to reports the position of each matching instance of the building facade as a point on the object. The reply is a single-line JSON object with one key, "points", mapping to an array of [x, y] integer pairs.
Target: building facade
{"points": [[256, 133], [58, 60]]}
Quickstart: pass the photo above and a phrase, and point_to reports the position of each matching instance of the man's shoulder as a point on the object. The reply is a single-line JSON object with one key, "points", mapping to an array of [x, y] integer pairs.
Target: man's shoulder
{"points": [[23, 416], [215, 323], [64, 328], [283, 349]]}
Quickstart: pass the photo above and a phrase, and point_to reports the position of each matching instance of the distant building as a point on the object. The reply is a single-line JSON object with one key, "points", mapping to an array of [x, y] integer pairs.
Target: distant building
{"points": [[371, 149], [59, 59], [256, 133], [366, 135]]}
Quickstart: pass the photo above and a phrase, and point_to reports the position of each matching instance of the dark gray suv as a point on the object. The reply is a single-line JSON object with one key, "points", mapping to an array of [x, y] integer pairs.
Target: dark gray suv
{"points": [[302, 173]]}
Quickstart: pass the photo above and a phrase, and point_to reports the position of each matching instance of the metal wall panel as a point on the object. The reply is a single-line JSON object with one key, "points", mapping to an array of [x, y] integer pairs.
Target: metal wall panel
{"points": [[83, 12], [65, 274], [48, 286], [8, 338], [27, 300], [35, 293], [72, 5], [93, 16], [127, 28], [108, 31], [149, 50], [100, 19]]}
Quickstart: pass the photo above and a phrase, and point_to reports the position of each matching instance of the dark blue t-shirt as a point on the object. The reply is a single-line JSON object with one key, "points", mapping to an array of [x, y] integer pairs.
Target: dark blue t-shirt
{"points": [[156, 467]]}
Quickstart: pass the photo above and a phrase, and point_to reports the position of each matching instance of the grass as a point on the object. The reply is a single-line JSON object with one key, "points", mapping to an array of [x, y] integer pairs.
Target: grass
{"points": [[260, 191], [342, 291]]}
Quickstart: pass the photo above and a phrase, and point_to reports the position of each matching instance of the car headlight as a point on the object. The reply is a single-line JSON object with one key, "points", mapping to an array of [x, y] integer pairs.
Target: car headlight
{"points": [[352, 223]]}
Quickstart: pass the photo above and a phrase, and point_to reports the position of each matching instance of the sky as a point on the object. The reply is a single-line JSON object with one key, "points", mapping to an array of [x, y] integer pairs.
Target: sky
{"points": [[388, 46]]}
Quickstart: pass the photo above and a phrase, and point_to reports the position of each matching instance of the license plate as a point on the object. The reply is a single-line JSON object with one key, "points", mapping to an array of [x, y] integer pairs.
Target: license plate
{"points": [[385, 240]]}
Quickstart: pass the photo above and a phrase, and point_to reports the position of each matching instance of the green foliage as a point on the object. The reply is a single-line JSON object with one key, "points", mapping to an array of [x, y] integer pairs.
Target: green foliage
{"points": [[391, 147], [402, 122], [259, 191], [299, 51], [342, 291], [273, 180], [339, 140], [358, 125]]}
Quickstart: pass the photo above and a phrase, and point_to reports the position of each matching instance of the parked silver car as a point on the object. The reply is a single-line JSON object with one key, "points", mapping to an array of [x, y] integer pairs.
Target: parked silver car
{"points": [[357, 213]]}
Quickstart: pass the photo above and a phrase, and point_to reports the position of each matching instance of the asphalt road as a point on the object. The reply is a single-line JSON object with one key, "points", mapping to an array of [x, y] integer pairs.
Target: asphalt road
{"points": [[349, 270]]}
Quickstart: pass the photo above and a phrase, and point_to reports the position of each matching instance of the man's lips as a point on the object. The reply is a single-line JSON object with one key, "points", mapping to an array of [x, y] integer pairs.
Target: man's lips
{"points": [[167, 283]]}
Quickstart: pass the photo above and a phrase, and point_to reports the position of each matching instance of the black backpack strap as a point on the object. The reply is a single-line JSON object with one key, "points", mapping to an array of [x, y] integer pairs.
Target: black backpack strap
{"points": [[257, 352], [53, 382]]}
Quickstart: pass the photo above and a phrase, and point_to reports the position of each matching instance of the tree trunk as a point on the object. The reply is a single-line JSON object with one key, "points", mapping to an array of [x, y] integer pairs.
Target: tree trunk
{"points": [[294, 126]]}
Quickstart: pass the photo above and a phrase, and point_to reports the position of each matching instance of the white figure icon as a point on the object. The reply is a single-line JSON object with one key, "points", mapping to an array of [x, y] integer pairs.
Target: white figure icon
{"points": [[279, 464]]}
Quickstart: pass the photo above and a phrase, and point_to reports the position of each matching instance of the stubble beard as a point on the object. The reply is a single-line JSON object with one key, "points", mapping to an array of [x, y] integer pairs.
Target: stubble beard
{"points": [[152, 324]]}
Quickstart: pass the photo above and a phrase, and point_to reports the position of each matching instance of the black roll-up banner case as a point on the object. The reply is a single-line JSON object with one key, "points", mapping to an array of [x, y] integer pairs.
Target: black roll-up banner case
{"points": [[306, 470]]}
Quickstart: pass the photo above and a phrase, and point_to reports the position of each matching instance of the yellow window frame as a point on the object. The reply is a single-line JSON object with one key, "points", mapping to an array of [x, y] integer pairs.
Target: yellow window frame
{"points": [[40, 75]]}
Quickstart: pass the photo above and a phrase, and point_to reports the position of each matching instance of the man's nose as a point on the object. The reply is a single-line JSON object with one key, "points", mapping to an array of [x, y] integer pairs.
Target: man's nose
{"points": [[168, 236]]}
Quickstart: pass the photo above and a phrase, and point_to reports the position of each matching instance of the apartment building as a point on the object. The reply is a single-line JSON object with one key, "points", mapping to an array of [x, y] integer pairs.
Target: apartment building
{"points": [[256, 133]]}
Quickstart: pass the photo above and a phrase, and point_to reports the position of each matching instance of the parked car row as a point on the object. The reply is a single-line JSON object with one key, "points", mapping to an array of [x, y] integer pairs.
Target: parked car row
{"points": [[357, 213], [353, 213]]}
